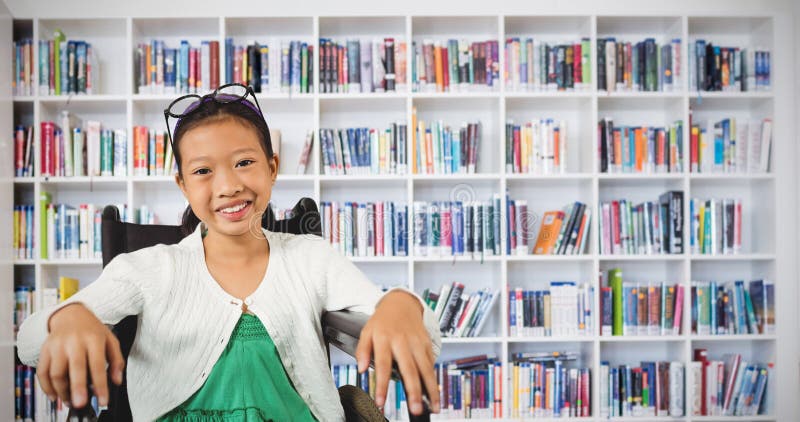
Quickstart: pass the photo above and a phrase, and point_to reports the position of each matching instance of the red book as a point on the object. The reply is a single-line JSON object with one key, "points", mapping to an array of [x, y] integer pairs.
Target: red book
{"points": [[701, 355], [19, 151], [47, 147], [615, 243], [577, 74], [445, 70], [192, 67], [517, 153], [379, 229], [213, 50]]}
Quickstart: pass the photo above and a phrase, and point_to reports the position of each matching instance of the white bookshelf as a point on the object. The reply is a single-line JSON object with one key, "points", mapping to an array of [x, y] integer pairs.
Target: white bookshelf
{"points": [[768, 251]]}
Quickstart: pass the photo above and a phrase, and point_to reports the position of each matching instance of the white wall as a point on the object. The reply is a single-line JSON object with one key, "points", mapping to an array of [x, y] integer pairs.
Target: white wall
{"points": [[109, 8]]}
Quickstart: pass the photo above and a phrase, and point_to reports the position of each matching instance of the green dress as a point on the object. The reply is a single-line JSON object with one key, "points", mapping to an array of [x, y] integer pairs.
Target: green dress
{"points": [[248, 383]]}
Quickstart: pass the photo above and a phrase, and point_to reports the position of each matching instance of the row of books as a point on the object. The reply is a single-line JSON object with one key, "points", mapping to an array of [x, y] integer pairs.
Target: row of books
{"points": [[563, 310], [277, 66], [396, 405], [716, 226], [649, 390], [67, 67], [24, 393], [455, 65], [542, 386], [640, 309], [23, 151], [470, 387], [730, 308], [456, 228], [731, 386], [534, 65], [441, 149], [640, 149], [562, 232], [460, 314], [25, 298], [152, 153], [75, 149], [22, 66], [644, 229], [640, 66], [536, 147], [362, 65], [158, 69], [23, 232], [366, 228], [69, 232], [727, 147], [25, 380], [716, 68], [361, 150]]}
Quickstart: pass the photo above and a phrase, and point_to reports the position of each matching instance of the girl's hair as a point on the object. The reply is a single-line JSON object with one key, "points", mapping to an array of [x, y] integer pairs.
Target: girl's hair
{"points": [[206, 111]]}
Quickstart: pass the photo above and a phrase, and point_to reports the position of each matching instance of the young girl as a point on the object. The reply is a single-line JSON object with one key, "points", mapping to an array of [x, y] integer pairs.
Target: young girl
{"points": [[229, 318]]}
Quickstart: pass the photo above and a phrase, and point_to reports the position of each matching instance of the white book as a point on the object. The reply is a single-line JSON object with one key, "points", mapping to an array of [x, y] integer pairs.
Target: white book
{"points": [[754, 148], [676, 376], [696, 379], [93, 147], [83, 240], [766, 140], [611, 65], [604, 393], [562, 143], [205, 66], [742, 146]]}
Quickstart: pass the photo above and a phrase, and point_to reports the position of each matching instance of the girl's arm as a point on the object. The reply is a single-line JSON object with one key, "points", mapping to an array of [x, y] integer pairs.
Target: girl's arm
{"points": [[402, 328], [117, 293]]}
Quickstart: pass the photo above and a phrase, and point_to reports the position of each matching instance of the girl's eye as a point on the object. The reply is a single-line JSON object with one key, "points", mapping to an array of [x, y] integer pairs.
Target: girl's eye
{"points": [[245, 163], [201, 171]]}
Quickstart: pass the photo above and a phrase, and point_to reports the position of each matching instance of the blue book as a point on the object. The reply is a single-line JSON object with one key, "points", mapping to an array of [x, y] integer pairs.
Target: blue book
{"points": [[457, 217], [557, 399], [296, 64], [713, 306], [456, 162], [169, 67], [229, 60], [351, 141], [184, 70], [402, 248], [363, 148]]}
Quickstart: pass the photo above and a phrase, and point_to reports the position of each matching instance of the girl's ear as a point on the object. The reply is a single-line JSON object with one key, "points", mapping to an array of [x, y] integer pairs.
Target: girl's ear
{"points": [[181, 184], [273, 166]]}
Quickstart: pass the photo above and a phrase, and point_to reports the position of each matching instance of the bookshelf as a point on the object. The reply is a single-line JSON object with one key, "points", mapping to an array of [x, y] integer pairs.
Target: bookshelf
{"points": [[768, 251]]}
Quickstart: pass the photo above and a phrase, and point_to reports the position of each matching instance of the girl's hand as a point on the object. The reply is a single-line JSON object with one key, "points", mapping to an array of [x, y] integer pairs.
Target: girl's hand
{"points": [[396, 331], [78, 338]]}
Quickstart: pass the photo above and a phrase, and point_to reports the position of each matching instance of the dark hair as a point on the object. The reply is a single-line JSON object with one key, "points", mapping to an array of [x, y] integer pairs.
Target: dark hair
{"points": [[210, 111]]}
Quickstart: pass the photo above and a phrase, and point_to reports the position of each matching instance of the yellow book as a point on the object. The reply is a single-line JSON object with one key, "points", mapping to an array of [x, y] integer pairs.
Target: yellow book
{"points": [[524, 148], [515, 393], [414, 168], [700, 231], [67, 287]]}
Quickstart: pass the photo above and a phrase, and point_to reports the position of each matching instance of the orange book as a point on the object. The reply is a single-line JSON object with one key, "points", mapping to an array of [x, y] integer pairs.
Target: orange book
{"points": [[556, 148], [149, 65], [160, 152], [437, 65], [639, 148], [428, 152], [414, 140], [618, 149], [548, 233], [581, 231]]}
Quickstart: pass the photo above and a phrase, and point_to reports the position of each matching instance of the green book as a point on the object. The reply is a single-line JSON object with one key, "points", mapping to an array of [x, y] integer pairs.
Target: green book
{"points": [[44, 200], [57, 40], [751, 314], [615, 282], [586, 63]]}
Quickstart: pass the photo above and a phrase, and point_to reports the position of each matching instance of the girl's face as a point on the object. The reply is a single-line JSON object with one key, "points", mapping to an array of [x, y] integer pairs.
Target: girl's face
{"points": [[226, 176]]}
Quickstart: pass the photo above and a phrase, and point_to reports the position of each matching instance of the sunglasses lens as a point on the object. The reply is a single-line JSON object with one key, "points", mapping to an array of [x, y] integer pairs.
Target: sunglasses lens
{"points": [[184, 105], [231, 93]]}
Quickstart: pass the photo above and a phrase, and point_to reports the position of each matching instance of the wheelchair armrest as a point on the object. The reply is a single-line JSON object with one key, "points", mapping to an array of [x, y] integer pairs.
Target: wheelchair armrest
{"points": [[343, 329]]}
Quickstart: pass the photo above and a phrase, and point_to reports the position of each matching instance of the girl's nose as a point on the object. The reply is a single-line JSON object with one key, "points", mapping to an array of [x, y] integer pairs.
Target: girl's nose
{"points": [[227, 183]]}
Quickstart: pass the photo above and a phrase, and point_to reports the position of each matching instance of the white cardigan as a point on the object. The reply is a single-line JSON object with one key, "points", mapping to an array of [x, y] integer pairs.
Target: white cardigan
{"points": [[186, 318]]}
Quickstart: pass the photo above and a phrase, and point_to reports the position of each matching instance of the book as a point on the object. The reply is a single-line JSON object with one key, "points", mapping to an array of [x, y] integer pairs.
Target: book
{"points": [[455, 65]]}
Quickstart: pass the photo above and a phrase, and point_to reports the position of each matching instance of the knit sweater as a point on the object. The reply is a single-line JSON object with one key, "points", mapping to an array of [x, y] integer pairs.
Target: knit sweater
{"points": [[185, 318]]}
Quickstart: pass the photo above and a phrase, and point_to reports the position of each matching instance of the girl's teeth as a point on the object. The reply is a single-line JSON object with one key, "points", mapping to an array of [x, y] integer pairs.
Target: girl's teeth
{"points": [[236, 208]]}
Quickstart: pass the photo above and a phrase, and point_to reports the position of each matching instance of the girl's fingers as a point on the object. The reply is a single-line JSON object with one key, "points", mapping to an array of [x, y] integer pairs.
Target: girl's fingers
{"points": [[410, 374], [77, 377], [427, 374], [59, 377], [116, 363], [43, 373], [364, 349], [97, 367], [383, 371]]}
